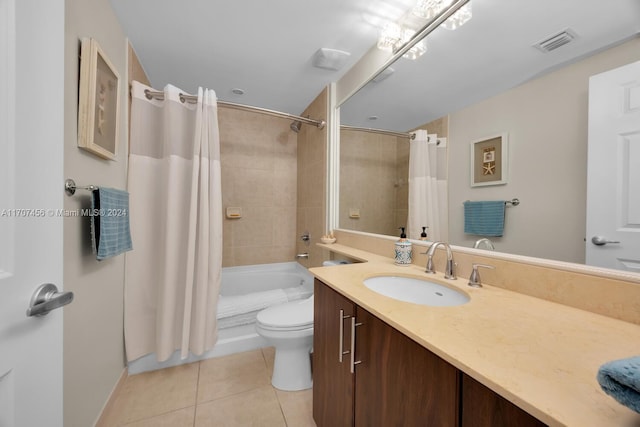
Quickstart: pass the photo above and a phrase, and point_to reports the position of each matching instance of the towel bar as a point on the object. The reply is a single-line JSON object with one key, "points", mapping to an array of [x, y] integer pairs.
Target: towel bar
{"points": [[512, 202], [70, 187]]}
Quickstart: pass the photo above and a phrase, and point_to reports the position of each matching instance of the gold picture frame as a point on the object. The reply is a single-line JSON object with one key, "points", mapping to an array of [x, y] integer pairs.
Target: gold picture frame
{"points": [[489, 160], [99, 102]]}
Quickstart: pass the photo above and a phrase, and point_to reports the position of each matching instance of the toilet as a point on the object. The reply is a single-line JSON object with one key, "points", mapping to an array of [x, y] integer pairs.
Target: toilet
{"points": [[289, 328]]}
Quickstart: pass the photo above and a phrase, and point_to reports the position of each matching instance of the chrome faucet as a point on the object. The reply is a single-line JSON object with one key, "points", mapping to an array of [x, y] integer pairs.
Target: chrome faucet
{"points": [[487, 243], [449, 272]]}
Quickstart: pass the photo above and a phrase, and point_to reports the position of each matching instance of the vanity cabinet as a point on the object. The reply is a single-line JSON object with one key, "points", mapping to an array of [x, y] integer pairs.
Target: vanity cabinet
{"points": [[396, 380], [333, 383], [481, 407], [399, 382]]}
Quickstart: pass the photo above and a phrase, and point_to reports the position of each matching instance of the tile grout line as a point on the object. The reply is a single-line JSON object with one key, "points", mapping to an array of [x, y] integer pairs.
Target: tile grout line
{"points": [[195, 406], [284, 416]]}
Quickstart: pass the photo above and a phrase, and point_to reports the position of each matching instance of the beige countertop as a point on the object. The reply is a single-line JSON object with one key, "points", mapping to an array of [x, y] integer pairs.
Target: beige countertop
{"points": [[540, 355]]}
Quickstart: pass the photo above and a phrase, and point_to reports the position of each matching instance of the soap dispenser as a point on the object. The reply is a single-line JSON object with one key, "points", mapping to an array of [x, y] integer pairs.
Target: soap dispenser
{"points": [[423, 235], [403, 250]]}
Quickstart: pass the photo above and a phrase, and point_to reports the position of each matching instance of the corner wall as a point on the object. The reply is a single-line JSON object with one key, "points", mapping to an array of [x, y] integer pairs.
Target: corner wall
{"points": [[312, 181], [93, 324]]}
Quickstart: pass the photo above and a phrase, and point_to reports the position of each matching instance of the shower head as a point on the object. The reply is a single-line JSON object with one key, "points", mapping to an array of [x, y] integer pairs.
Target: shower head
{"points": [[295, 126]]}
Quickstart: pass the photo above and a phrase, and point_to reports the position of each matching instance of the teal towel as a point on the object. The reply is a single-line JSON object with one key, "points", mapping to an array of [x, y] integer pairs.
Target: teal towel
{"points": [[620, 379], [110, 223], [484, 218]]}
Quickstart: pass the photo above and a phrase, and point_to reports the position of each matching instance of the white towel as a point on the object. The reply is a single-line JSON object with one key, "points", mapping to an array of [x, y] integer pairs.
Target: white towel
{"points": [[238, 320], [298, 292], [238, 304]]}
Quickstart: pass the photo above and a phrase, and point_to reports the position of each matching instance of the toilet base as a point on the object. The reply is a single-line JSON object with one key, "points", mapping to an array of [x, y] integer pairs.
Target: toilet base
{"points": [[292, 369]]}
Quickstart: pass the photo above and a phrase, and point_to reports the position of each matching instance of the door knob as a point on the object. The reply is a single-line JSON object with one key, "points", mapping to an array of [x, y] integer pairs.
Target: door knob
{"points": [[47, 298], [600, 241]]}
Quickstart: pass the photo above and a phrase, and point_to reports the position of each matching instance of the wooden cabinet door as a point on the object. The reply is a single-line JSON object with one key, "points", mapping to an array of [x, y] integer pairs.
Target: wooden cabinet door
{"points": [[399, 382], [481, 407], [332, 380]]}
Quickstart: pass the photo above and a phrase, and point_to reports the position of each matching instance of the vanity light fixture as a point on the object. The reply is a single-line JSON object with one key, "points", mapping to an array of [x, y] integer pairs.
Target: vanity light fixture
{"points": [[417, 50], [390, 36], [428, 9], [394, 35]]}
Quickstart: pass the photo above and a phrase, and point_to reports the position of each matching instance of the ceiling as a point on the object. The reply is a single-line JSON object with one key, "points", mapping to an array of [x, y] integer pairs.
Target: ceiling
{"points": [[262, 47], [266, 48]]}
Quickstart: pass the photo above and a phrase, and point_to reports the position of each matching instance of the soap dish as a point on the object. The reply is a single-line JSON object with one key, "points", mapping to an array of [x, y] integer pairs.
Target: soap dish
{"points": [[327, 240]]}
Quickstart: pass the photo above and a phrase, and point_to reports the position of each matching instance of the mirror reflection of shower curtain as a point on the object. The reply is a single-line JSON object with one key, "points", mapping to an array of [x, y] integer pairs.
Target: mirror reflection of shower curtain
{"points": [[427, 188], [172, 276]]}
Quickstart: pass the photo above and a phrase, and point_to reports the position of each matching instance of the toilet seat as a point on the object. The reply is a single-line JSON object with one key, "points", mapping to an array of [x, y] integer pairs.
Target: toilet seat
{"points": [[290, 316]]}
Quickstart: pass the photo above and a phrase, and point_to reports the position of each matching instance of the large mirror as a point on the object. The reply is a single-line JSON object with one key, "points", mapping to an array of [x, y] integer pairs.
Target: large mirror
{"points": [[491, 78]]}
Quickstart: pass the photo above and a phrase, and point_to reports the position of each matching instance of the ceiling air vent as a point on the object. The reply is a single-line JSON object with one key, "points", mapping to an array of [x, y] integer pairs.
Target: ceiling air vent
{"points": [[555, 41]]}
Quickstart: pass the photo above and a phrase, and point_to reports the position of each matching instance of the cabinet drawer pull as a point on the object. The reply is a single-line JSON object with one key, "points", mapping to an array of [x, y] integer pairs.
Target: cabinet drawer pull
{"points": [[341, 344], [353, 345]]}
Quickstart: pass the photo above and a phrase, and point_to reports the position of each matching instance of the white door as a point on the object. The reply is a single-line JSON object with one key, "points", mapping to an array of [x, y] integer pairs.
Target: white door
{"points": [[31, 190], [613, 185]]}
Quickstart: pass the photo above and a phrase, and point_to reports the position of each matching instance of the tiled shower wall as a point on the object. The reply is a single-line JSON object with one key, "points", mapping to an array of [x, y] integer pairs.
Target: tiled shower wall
{"points": [[258, 155], [278, 179], [369, 181]]}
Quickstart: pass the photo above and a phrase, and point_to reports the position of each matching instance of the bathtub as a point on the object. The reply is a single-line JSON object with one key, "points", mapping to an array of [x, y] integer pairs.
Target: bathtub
{"points": [[237, 333]]}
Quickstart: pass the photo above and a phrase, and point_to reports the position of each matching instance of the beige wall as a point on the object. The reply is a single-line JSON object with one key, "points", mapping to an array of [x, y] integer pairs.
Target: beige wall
{"points": [[312, 181], [93, 340], [546, 120], [258, 157], [369, 181]]}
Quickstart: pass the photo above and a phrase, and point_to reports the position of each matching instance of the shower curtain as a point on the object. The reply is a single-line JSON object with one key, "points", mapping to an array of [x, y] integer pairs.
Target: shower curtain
{"points": [[427, 188], [172, 277]]}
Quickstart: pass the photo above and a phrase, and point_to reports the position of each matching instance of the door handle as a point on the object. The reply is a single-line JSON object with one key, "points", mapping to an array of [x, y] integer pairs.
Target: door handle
{"points": [[47, 298], [601, 241]]}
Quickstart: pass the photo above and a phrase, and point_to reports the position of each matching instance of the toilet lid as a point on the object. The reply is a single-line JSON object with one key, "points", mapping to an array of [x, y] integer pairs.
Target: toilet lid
{"points": [[287, 315]]}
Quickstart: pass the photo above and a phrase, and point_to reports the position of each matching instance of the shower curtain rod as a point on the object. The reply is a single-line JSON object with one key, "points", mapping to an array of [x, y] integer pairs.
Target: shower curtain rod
{"points": [[320, 124], [410, 135]]}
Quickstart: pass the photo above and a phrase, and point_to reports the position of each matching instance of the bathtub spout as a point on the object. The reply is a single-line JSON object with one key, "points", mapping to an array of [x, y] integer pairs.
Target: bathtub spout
{"points": [[303, 255]]}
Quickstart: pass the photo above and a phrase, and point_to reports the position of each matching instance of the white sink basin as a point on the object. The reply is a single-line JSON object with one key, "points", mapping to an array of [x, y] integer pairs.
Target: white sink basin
{"points": [[417, 291]]}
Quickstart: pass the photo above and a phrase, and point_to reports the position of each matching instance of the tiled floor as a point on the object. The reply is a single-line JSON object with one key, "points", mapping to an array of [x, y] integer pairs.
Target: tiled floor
{"points": [[227, 391]]}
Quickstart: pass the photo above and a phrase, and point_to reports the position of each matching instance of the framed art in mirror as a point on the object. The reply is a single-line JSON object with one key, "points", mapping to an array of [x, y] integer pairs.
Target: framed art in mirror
{"points": [[99, 102], [489, 160]]}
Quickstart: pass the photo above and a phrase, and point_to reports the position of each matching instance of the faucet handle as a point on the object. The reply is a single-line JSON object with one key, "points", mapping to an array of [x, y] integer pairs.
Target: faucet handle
{"points": [[474, 279], [429, 269]]}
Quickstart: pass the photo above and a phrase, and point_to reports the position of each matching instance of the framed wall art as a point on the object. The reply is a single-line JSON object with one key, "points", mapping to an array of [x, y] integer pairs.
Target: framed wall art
{"points": [[489, 161], [99, 103]]}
